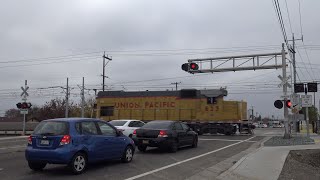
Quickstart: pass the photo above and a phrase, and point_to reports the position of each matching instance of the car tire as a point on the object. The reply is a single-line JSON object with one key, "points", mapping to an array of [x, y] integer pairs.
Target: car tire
{"points": [[36, 166], [127, 154], [142, 148], [195, 142], [174, 146], [78, 163]]}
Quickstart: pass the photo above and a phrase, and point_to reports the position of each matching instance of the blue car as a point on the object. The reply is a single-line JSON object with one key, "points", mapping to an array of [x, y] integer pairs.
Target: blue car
{"points": [[76, 142]]}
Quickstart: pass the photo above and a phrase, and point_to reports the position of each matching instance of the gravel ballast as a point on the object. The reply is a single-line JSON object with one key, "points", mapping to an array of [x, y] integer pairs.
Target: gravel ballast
{"points": [[301, 164]]}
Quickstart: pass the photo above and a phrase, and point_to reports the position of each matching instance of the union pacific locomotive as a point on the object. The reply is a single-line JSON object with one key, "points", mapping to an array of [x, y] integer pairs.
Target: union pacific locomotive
{"points": [[205, 111]]}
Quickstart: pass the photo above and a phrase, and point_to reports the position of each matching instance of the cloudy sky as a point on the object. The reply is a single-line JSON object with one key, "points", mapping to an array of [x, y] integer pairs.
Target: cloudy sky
{"points": [[46, 42]]}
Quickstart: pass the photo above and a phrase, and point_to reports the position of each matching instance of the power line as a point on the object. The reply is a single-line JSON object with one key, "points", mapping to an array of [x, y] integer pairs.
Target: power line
{"points": [[304, 63], [304, 46], [289, 16], [55, 62], [300, 18], [282, 27]]}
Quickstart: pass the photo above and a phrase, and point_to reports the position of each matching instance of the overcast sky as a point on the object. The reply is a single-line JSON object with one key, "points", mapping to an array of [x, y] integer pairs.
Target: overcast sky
{"points": [[46, 42]]}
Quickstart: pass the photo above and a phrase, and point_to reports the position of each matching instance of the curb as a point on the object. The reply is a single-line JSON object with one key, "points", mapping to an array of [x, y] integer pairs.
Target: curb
{"points": [[232, 168]]}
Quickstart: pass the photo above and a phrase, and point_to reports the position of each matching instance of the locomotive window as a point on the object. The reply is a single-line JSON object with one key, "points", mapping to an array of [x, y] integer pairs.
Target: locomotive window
{"points": [[106, 110], [211, 100]]}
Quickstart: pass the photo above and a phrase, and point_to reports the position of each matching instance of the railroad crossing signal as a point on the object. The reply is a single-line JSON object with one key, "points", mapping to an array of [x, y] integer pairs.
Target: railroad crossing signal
{"points": [[278, 104], [284, 81], [24, 105], [288, 103], [189, 66], [24, 91]]}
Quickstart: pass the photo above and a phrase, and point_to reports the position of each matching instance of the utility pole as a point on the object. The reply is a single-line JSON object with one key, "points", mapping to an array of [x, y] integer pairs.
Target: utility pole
{"points": [[104, 67], [284, 76], [293, 51], [307, 111], [67, 99], [252, 113], [176, 83], [82, 98]]}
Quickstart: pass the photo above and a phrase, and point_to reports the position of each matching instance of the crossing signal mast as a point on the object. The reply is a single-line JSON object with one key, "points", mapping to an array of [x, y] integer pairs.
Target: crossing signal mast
{"points": [[244, 63]]}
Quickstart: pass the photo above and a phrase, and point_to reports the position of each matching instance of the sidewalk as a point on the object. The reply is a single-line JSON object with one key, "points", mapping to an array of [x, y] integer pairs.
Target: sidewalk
{"points": [[265, 163]]}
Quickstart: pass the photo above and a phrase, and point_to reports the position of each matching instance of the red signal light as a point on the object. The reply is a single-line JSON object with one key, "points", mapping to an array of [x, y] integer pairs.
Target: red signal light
{"points": [[288, 103], [24, 105], [194, 66]]}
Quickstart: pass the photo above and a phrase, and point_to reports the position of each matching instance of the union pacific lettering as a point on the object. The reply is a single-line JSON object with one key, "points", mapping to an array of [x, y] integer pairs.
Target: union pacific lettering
{"points": [[149, 105], [126, 105], [159, 104]]}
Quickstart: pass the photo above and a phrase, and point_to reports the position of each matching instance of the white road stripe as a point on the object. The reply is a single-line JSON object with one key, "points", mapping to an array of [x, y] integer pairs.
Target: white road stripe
{"points": [[186, 160], [233, 140], [1, 169]]}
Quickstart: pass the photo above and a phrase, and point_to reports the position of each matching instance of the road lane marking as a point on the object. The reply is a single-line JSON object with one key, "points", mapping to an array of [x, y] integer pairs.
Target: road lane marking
{"points": [[13, 147], [232, 140], [186, 160]]}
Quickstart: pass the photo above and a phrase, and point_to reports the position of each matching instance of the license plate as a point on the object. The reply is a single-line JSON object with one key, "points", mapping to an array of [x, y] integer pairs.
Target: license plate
{"points": [[145, 141], [44, 142]]}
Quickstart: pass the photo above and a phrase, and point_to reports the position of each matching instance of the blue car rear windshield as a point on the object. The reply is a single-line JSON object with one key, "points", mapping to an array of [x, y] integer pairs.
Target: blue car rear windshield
{"points": [[157, 125], [52, 128]]}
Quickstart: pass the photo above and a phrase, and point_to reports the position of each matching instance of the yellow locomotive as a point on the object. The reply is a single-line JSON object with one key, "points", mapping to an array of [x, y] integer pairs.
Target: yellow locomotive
{"points": [[203, 110]]}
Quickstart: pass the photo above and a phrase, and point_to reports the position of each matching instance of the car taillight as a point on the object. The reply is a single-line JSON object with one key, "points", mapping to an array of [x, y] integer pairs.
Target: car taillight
{"points": [[134, 132], [162, 133], [30, 140], [66, 139]]}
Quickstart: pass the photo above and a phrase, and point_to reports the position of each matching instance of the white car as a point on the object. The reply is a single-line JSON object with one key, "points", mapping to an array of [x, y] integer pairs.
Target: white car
{"points": [[127, 126]]}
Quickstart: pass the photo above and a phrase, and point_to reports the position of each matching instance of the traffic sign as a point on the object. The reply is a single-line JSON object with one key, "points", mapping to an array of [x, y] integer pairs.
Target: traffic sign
{"points": [[295, 99], [23, 111], [306, 100], [285, 97]]}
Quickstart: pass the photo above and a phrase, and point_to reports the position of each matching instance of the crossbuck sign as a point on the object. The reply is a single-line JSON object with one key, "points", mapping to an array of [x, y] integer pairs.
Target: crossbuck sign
{"points": [[24, 91]]}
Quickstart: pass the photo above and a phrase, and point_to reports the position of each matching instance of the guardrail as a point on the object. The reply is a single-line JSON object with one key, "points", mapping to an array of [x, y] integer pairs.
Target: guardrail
{"points": [[14, 132], [15, 128]]}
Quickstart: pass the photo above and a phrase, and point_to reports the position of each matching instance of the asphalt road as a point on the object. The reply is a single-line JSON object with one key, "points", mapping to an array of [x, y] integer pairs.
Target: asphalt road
{"points": [[154, 164]]}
